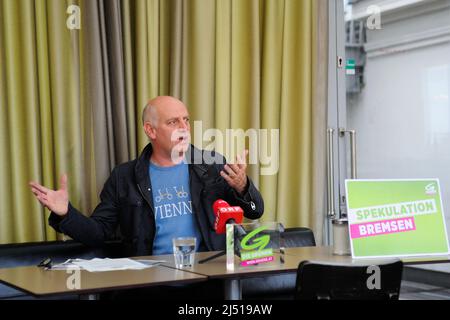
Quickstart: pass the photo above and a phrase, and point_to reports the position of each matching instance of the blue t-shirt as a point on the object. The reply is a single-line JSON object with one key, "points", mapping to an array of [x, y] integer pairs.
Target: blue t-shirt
{"points": [[174, 213]]}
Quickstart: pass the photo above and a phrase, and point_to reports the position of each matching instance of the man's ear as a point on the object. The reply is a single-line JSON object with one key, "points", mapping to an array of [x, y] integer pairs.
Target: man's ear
{"points": [[149, 130]]}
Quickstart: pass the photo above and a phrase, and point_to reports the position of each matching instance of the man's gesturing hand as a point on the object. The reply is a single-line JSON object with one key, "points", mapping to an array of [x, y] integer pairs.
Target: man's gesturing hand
{"points": [[235, 174], [56, 201]]}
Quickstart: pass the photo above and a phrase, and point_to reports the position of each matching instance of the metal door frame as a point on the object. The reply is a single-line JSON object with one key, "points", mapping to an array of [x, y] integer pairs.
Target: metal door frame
{"points": [[336, 119]]}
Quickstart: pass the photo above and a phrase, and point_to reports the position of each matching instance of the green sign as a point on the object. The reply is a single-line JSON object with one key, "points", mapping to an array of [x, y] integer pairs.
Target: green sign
{"points": [[350, 64], [396, 218], [350, 68], [253, 248]]}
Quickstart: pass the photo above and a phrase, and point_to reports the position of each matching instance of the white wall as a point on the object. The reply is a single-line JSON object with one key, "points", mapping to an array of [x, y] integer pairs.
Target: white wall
{"points": [[402, 116]]}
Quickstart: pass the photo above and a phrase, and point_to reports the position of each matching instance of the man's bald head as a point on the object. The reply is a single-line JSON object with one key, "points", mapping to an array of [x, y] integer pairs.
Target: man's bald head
{"points": [[153, 107], [150, 114], [166, 124]]}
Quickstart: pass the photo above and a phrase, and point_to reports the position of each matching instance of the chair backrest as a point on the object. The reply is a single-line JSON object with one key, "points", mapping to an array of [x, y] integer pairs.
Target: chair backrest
{"points": [[317, 281], [298, 237]]}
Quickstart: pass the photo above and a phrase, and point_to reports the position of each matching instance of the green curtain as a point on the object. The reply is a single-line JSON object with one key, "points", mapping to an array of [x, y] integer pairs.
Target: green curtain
{"points": [[71, 99], [244, 64], [40, 113], [57, 113]]}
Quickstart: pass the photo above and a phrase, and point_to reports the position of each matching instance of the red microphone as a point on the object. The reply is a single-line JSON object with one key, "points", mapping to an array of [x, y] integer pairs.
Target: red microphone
{"points": [[226, 214]]}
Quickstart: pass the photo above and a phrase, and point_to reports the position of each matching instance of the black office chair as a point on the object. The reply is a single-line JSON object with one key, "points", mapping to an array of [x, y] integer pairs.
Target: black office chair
{"points": [[298, 237], [317, 281]]}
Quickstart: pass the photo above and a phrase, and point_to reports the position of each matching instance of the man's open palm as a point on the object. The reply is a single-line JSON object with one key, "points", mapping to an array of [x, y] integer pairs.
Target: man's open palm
{"points": [[56, 201]]}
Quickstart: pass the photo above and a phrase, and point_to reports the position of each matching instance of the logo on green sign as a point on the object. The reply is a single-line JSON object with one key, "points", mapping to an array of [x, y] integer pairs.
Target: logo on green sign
{"points": [[256, 249], [258, 243]]}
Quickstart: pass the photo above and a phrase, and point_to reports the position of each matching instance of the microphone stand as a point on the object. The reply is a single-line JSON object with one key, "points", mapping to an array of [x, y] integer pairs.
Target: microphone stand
{"points": [[214, 256], [222, 253]]}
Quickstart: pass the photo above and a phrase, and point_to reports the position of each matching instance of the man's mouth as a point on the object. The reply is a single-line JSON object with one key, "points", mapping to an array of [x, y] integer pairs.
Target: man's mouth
{"points": [[180, 137]]}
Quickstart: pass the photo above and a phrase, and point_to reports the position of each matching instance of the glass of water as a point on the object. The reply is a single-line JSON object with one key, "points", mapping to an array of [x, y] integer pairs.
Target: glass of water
{"points": [[184, 251]]}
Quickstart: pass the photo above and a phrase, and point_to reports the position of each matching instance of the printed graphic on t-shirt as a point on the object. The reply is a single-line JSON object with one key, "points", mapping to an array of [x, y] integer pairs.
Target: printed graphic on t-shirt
{"points": [[180, 206], [174, 213]]}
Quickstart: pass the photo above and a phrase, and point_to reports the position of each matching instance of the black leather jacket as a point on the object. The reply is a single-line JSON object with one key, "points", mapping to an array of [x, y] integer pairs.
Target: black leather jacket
{"points": [[127, 203]]}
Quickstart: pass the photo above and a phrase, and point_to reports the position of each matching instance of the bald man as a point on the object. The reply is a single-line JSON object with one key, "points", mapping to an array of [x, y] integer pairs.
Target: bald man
{"points": [[166, 192]]}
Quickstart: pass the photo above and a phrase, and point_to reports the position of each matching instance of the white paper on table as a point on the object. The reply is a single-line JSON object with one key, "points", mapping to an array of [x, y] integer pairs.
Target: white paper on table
{"points": [[150, 263], [66, 265], [97, 264]]}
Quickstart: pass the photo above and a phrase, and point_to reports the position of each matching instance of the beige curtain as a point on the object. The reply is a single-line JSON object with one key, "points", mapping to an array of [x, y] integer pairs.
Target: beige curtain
{"points": [[71, 99]]}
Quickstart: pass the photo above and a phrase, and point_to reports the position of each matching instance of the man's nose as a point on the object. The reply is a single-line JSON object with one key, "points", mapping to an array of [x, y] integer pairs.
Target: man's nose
{"points": [[183, 125]]}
